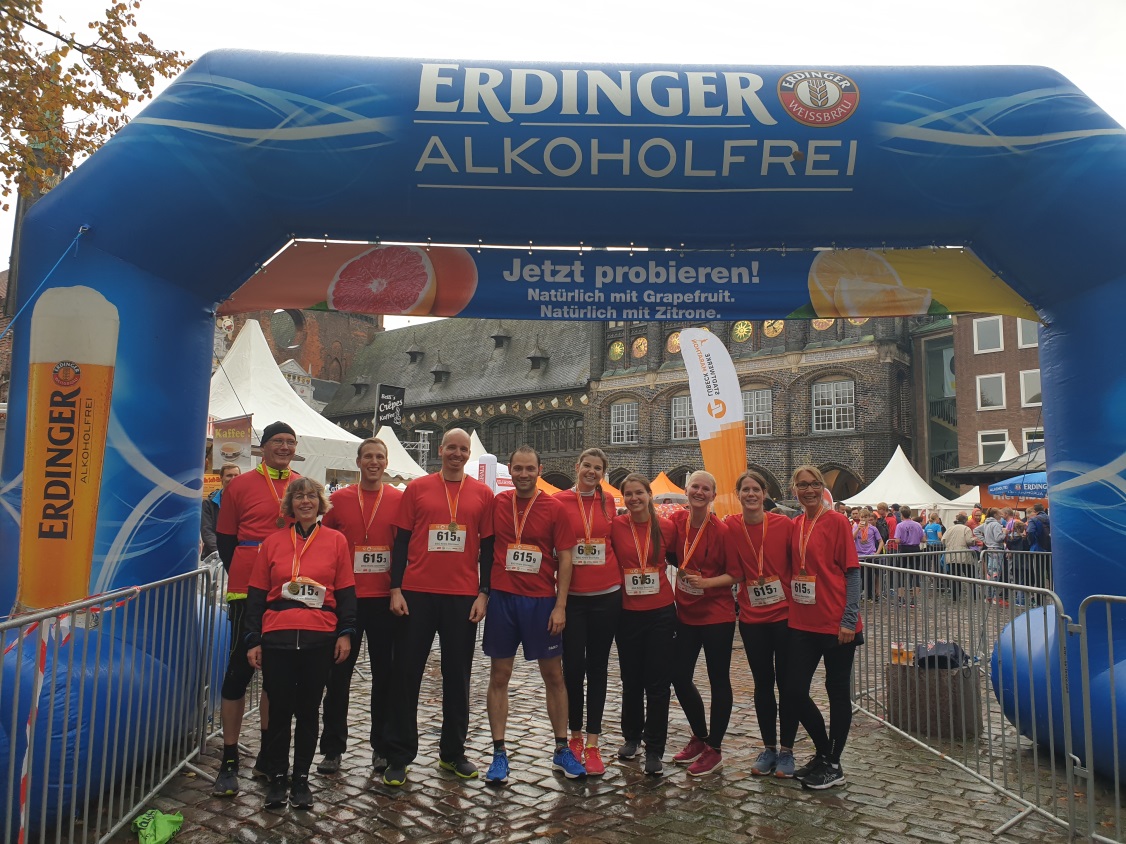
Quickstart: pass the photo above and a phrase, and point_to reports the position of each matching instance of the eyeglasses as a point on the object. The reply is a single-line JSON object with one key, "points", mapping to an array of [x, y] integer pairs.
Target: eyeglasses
{"points": [[809, 485], [284, 443], [306, 496]]}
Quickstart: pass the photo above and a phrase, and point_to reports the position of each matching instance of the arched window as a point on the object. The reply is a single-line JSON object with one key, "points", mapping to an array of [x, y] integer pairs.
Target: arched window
{"points": [[503, 437], [556, 434]]}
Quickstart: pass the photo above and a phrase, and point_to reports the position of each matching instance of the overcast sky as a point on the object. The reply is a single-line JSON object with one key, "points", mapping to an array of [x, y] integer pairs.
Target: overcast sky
{"points": [[1079, 38]]}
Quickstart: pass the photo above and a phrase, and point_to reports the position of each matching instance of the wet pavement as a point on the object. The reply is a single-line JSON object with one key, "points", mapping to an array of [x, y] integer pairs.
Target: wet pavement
{"points": [[895, 791]]}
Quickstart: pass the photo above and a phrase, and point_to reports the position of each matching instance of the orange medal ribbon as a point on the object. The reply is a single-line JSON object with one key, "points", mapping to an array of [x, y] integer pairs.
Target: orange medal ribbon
{"points": [[269, 483], [689, 551], [588, 521], [761, 551], [519, 522], [803, 536], [295, 569], [374, 510], [648, 541], [452, 502]]}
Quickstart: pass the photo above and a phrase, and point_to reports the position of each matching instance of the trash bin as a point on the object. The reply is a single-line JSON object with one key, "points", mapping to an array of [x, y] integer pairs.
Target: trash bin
{"points": [[937, 703]]}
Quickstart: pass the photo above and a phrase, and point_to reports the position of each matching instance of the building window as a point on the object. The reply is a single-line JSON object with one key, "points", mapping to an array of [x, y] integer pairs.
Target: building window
{"points": [[556, 434], [1027, 334], [504, 437], [758, 413], [623, 423], [834, 406], [683, 423], [1033, 438], [1030, 388], [991, 445], [991, 392], [987, 335]]}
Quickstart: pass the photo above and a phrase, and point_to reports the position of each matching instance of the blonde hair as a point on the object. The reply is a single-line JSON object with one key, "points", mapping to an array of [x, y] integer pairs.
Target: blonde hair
{"points": [[811, 469]]}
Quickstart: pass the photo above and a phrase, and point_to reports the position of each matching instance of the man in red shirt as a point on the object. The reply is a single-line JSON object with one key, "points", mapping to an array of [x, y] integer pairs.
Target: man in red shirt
{"points": [[251, 511], [365, 514], [440, 567], [529, 605]]}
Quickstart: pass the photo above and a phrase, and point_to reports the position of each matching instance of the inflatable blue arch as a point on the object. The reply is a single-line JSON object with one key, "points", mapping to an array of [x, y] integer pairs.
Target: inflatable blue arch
{"points": [[272, 180]]}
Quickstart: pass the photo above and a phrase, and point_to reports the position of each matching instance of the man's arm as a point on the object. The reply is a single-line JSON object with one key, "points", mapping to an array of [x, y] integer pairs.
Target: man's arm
{"points": [[207, 527]]}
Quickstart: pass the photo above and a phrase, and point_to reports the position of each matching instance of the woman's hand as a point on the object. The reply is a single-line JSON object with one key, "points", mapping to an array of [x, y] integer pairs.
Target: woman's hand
{"points": [[342, 649], [845, 636], [254, 657]]}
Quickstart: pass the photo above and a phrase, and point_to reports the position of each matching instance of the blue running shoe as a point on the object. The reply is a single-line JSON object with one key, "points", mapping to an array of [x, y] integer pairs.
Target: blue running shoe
{"points": [[498, 771], [784, 765], [564, 760]]}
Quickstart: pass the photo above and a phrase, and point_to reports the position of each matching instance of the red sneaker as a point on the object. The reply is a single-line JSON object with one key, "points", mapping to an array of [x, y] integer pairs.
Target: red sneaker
{"points": [[710, 761], [593, 762], [576, 745], [692, 751]]}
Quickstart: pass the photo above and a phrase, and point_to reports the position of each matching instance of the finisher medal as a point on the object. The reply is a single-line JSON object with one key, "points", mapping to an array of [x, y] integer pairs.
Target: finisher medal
{"points": [[294, 588], [453, 527], [762, 581], [590, 549], [280, 521]]}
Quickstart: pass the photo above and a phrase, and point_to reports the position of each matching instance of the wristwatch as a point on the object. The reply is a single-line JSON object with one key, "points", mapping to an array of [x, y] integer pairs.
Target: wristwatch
{"points": [[484, 590]]}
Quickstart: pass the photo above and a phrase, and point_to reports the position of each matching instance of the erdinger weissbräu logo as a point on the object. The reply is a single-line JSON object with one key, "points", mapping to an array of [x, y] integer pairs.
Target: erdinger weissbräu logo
{"points": [[818, 97], [66, 373], [716, 408]]}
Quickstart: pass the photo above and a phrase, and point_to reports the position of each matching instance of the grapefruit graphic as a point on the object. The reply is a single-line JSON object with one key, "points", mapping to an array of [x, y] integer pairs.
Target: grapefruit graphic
{"points": [[456, 274], [385, 280], [859, 297], [858, 280]]}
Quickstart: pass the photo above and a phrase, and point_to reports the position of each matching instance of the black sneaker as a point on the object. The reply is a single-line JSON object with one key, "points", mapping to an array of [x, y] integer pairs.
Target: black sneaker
{"points": [[378, 763], [629, 750], [277, 792], [809, 767], [258, 772], [226, 781], [394, 775], [300, 797], [329, 765], [464, 769], [826, 776], [654, 766]]}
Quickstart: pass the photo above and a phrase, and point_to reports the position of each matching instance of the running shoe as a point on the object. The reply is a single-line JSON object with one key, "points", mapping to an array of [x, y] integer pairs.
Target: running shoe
{"points": [[827, 775], [300, 797], [329, 765], [395, 775], [629, 750], [654, 765], [378, 763], [464, 769], [577, 748], [764, 764], [784, 765], [226, 781], [592, 761], [691, 751], [564, 760], [710, 760], [277, 793], [809, 767], [258, 772], [498, 770]]}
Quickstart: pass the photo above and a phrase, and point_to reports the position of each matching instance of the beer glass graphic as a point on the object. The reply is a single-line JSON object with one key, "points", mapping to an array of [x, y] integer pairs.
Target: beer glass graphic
{"points": [[70, 381]]}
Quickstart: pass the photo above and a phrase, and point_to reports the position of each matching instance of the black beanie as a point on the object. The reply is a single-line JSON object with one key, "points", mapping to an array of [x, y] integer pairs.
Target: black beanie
{"points": [[276, 428]]}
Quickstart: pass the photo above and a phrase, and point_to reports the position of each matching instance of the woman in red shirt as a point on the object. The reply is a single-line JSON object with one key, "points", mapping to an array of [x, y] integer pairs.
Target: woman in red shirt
{"points": [[642, 542], [301, 616], [705, 620], [824, 624], [594, 605], [760, 542]]}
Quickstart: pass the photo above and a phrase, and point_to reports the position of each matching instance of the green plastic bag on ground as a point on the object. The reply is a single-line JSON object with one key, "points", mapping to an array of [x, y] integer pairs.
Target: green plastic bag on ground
{"points": [[155, 827]]}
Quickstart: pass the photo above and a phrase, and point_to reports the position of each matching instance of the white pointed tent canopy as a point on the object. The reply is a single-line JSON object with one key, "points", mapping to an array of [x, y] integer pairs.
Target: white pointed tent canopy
{"points": [[898, 483]]}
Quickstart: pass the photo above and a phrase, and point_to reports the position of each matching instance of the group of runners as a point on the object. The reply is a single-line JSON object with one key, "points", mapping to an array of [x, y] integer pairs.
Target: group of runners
{"points": [[561, 578]]}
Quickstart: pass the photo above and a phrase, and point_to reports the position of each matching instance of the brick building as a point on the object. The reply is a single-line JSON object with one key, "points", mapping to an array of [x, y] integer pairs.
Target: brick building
{"points": [[831, 392]]}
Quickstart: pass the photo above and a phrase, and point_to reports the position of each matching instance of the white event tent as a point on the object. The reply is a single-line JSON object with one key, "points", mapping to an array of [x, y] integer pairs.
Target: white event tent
{"points": [[898, 483], [401, 466], [248, 382]]}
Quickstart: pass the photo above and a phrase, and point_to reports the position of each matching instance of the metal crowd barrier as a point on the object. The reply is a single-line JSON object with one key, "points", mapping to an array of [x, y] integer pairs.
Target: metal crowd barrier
{"points": [[947, 699], [102, 702]]}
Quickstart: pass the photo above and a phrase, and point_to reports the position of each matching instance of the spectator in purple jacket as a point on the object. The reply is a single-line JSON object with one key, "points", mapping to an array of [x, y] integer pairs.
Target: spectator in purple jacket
{"points": [[910, 538]]}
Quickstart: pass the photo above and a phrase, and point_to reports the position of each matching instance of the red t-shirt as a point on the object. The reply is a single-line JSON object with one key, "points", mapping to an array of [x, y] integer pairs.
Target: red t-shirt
{"points": [[427, 502], [590, 579], [325, 560], [710, 558], [829, 553], [623, 536], [544, 527], [775, 562], [250, 511], [374, 528]]}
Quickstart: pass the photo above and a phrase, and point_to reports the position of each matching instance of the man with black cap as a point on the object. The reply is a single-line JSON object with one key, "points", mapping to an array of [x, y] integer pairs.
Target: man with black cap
{"points": [[251, 511]]}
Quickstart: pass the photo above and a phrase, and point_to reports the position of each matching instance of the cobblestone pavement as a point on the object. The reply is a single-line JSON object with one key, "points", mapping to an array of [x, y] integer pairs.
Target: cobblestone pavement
{"points": [[895, 793]]}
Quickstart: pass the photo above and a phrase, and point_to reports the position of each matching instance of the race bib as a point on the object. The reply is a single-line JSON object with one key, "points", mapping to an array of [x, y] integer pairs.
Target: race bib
{"points": [[804, 589], [446, 538], [372, 559], [682, 584], [591, 553], [642, 582], [523, 558], [307, 592], [767, 593]]}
